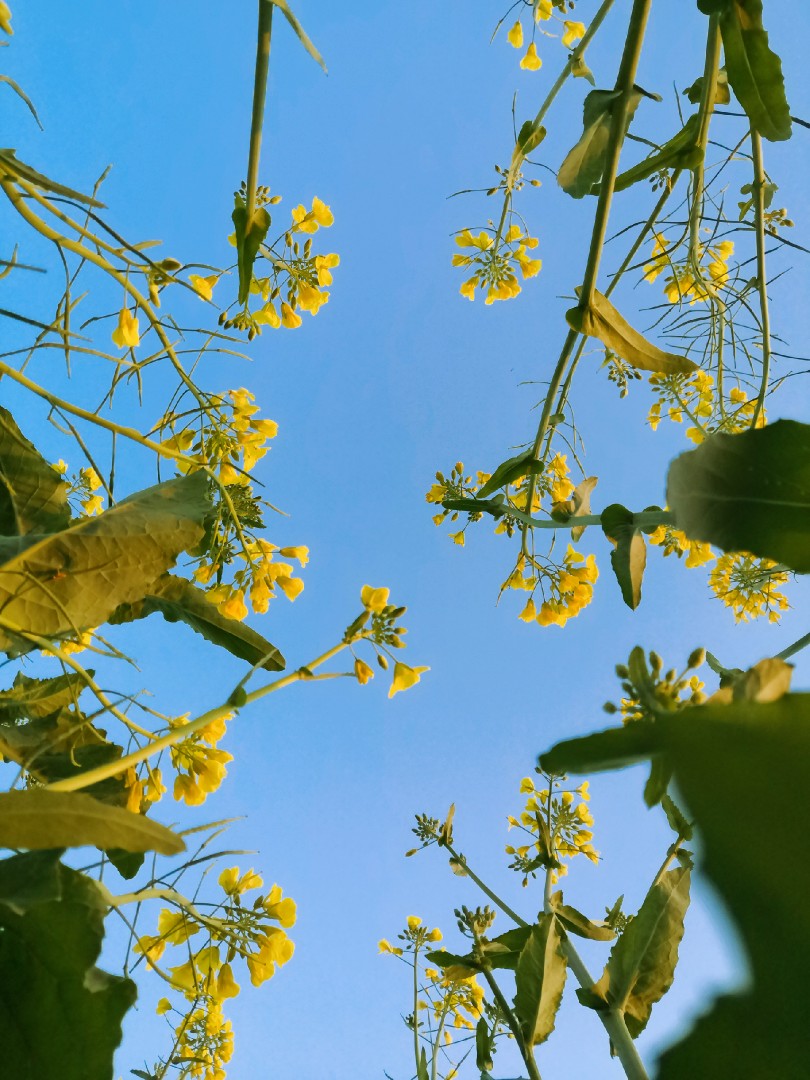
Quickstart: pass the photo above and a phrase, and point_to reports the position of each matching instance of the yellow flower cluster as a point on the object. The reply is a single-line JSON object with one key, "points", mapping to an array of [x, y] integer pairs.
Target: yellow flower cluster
{"points": [[748, 586], [383, 633], [685, 281], [569, 587], [495, 260], [230, 438], [695, 398], [204, 1043], [258, 580], [563, 830], [83, 487], [200, 766], [673, 541], [542, 11], [143, 790]]}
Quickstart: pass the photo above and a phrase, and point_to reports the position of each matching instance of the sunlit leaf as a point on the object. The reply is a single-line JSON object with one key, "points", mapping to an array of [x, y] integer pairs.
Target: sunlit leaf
{"points": [[33, 495], [540, 980], [754, 69]]}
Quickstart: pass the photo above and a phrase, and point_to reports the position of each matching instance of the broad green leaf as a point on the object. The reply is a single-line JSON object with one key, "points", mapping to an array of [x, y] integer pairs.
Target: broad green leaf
{"points": [[502, 952], [461, 966], [754, 70], [497, 506], [525, 464], [577, 923], [178, 600], [11, 168], [73, 580], [680, 152], [629, 555], [713, 7], [33, 495], [59, 1014], [748, 492], [127, 863], [610, 749], [38, 819], [30, 878], [642, 962], [658, 781], [298, 29], [540, 980], [529, 138], [602, 320], [720, 755], [34, 699], [249, 238]]}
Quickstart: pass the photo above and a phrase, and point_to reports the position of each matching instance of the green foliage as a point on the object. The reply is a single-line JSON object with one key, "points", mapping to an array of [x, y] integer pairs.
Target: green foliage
{"points": [[50, 943], [642, 962], [38, 819], [33, 495], [525, 464], [178, 600], [748, 492], [540, 981], [679, 152], [629, 555], [583, 166]]}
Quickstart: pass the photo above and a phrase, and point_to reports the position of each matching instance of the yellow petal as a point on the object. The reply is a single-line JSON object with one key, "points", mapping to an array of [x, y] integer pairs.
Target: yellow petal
{"points": [[573, 32], [531, 61], [515, 35]]}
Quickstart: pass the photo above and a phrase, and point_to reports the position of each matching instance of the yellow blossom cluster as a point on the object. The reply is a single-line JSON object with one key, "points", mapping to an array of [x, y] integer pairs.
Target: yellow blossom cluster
{"points": [[543, 11], [144, 790], [749, 586], [687, 282], [229, 438], [199, 765], [695, 398], [675, 542], [383, 634], [495, 260], [568, 587], [258, 579], [556, 825], [83, 487], [204, 1042]]}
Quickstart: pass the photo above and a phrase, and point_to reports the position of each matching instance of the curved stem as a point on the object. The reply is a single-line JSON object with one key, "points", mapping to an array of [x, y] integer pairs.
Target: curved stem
{"points": [[762, 280]]}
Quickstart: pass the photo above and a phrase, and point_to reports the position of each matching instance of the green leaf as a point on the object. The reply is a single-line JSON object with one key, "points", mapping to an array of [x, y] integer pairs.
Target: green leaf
{"points": [[178, 600], [30, 878], [447, 960], [497, 506], [629, 555], [577, 923], [722, 96], [610, 749], [39, 819], [73, 580], [677, 822], [59, 1014], [33, 495], [642, 962], [529, 138], [35, 699], [754, 70], [422, 1067], [284, 8], [539, 981], [483, 1046], [748, 492], [720, 755], [658, 781], [502, 952], [585, 162], [11, 168], [249, 238], [678, 153], [127, 863], [602, 320], [525, 464]]}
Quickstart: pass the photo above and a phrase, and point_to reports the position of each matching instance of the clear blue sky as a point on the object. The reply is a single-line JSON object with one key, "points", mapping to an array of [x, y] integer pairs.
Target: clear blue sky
{"points": [[398, 376]]}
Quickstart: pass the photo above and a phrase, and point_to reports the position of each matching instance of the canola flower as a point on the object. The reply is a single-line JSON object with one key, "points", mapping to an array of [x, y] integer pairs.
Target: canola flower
{"points": [[496, 261], [685, 281], [749, 586], [542, 11], [126, 334], [556, 825]]}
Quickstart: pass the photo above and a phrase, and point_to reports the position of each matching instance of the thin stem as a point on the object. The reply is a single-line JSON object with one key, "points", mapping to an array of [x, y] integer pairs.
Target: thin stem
{"points": [[513, 915], [514, 1025], [416, 1007], [791, 650], [114, 768], [762, 280], [707, 96], [625, 81]]}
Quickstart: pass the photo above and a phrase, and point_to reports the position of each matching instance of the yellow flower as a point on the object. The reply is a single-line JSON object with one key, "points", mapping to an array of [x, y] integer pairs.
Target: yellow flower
{"points": [[435, 934], [175, 927], [573, 32], [362, 672], [457, 538], [94, 505], [163, 1006], [515, 35], [310, 299], [413, 922], [203, 286], [324, 264], [469, 287], [290, 586], [405, 677], [385, 947], [5, 18], [308, 221], [268, 316], [374, 599], [529, 614], [300, 552], [234, 884], [289, 317], [275, 949], [542, 10], [282, 909], [234, 607], [531, 61], [226, 986], [126, 335]]}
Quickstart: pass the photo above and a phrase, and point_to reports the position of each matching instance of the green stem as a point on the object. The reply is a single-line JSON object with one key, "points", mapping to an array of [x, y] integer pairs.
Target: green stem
{"points": [[259, 95], [706, 108], [762, 280], [485, 889], [416, 1007], [791, 650], [514, 1024], [625, 81]]}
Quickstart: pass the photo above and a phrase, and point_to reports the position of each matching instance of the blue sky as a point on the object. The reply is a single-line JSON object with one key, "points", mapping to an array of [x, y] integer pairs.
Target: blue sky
{"points": [[397, 377]]}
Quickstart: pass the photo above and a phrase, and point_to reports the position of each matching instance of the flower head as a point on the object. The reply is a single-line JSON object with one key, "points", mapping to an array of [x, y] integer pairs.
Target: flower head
{"points": [[126, 335]]}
